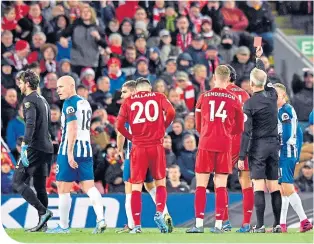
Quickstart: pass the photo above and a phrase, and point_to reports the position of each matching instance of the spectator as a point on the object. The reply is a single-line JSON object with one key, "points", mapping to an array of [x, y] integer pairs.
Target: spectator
{"points": [[183, 38], [126, 30], [210, 37], [86, 37], [115, 44], [155, 64], [212, 10], [128, 63], [241, 63], [168, 22], [50, 90], [87, 78], [7, 79], [108, 127], [185, 62], [142, 70], [66, 69], [141, 15], [140, 28], [187, 157], [169, 74], [48, 63], [195, 16], [166, 48], [62, 23], [189, 126], [15, 129], [140, 45], [213, 58], [99, 136], [177, 135], [9, 21], [305, 181], [177, 103], [158, 12], [170, 157], [102, 96], [303, 100], [196, 50], [161, 86], [174, 184], [233, 16], [261, 22], [38, 40], [114, 171], [6, 174], [227, 49], [9, 107], [185, 89], [7, 46], [116, 76], [200, 80]]}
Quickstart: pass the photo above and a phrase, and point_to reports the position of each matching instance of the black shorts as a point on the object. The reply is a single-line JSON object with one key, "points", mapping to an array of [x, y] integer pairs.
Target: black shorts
{"points": [[39, 163], [264, 159]]}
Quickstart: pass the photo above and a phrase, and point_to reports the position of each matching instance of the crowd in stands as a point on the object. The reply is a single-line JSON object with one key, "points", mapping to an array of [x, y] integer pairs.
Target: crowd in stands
{"points": [[176, 45]]}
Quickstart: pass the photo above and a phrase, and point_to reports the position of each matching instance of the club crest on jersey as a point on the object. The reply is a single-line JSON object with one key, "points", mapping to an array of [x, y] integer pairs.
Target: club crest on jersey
{"points": [[284, 117], [69, 110]]}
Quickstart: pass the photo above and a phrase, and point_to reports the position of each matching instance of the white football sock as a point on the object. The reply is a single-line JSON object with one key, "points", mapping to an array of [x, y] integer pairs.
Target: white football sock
{"points": [[284, 209], [218, 224], [199, 222], [128, 210], [96, 201], [296, 204], [152, 193], [65, 201]]}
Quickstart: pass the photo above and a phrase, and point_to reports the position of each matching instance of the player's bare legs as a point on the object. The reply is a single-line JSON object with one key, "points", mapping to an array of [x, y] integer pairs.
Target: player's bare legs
{"points": [[200, 202], [248, 199], [128, 193], [290, 196]]}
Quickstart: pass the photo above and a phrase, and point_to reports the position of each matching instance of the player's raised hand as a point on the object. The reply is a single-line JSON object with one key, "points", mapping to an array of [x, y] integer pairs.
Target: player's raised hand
{"points": [[72, 162], [259, 52], [241, 165]]}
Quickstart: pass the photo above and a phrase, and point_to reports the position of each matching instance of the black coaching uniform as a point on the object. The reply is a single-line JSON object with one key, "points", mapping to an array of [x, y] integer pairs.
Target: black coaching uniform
{"points": [[260, 136], [37, 136]]}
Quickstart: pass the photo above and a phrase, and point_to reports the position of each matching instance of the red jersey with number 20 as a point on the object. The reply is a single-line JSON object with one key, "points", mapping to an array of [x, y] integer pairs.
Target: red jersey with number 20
{"points": [[243, 96], [144, 112], [221, 117]]}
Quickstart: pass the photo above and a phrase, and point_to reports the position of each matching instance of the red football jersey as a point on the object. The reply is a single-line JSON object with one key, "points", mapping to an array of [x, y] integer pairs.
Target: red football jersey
{"points": [[144, 112], [221, 118], [243, 96]]}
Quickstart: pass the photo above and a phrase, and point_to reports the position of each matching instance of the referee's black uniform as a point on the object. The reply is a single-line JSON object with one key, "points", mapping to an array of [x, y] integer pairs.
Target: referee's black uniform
{"points": [[260, 142], [39, 153]]}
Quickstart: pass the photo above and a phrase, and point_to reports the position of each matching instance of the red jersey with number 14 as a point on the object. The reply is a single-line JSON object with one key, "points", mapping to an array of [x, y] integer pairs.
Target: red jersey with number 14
{"points": [[243, 96], [144, 112], [221, 117]]}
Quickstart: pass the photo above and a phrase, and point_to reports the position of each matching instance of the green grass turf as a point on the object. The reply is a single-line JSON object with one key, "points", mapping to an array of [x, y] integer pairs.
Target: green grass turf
{"points": [[153, 235]]}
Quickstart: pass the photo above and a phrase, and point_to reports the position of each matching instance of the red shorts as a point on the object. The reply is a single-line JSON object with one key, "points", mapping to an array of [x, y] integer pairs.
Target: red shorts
{"points": [[209, 162], [235, 158], [144, 158]]}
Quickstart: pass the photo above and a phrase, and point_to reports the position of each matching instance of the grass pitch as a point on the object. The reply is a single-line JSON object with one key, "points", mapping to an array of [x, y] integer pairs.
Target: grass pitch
{"points": [[153, 235]]}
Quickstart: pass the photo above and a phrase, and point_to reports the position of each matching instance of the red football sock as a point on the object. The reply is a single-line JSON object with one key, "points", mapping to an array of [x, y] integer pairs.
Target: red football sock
{"points": [[221, 202], [200, 202], [161, 198], [248, 204], [136, 206], [226, 214]]}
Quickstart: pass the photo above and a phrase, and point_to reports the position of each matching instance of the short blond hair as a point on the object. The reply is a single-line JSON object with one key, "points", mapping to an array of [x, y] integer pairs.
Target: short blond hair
{"points": [[258, 77], [198, 68], [222, 72], [283, 88]]}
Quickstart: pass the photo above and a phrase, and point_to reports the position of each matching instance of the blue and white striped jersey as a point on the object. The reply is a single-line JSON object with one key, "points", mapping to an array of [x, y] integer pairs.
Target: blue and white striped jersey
{"points": [[288, 131], [77, 108]]}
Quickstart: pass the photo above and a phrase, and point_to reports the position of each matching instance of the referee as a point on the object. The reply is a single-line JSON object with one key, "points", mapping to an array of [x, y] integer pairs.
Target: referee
{"points": [[37, 148], [261, 133]]}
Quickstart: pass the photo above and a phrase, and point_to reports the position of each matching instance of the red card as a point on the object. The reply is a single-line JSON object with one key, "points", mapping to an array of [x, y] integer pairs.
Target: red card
{"points": [[257, 41]]}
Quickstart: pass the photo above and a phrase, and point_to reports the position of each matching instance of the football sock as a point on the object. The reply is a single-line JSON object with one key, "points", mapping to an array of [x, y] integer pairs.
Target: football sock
{"points": [[28, 194], [64, 209], [259, 202], [284, 209], [221, 202], [276, 204], [96, 201], [248, 204], [152, 193], [128, 210], [226, 213], [199, 203], [296, 204], [161, 198], [136, 206]]}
